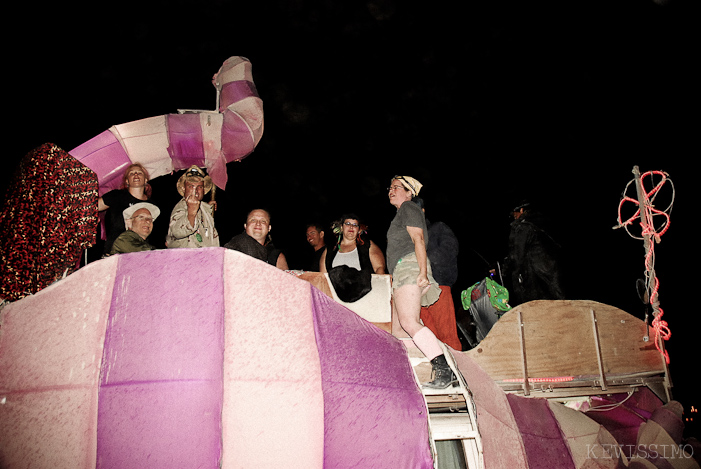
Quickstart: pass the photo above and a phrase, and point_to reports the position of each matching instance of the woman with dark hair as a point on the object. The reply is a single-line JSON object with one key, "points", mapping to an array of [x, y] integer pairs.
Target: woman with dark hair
{"points": [[352, 261], [134, 189], [413, 285], [352, 250]]}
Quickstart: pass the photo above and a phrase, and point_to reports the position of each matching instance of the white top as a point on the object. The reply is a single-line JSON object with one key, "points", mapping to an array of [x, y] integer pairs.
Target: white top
{"points": [[351, 259]]}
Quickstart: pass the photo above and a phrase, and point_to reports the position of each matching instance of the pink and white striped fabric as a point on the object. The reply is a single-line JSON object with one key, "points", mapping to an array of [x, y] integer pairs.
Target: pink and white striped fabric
{"points": [[172, 142], [201, 358]]}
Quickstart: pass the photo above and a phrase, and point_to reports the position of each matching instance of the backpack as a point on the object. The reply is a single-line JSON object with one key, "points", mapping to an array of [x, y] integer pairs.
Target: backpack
{"points": [[486, 301]]}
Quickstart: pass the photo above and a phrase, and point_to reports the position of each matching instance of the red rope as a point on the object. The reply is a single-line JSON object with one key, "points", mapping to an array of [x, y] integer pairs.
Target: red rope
{"points": [[650, 211], [646, 214]]}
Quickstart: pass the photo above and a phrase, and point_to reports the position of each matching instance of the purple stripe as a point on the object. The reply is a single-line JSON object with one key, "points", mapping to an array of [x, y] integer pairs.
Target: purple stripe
{"points": [[161, 388], [106, 157], [234, 92], [237, 140], [374, 413], [623, 421], [185, 140], [543, 441]]}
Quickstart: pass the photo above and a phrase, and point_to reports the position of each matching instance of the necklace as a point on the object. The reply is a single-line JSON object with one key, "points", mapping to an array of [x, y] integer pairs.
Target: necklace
{"points": [[198, 236]]}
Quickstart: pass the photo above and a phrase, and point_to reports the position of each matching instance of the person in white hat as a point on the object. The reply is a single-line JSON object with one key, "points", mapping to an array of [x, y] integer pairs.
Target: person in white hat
{"points": [[138, 219], [192, 220]]}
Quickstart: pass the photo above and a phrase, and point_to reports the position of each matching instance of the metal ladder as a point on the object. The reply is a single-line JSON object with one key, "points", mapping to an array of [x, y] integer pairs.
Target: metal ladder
{"points": [[452, 416]]}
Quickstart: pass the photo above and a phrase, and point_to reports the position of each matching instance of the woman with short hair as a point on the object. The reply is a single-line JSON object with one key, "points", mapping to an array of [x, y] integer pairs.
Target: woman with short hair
{"points": [[413, 285]]}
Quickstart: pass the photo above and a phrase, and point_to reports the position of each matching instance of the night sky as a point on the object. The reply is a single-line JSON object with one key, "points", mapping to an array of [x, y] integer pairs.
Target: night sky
{"points": [[486, 103]]}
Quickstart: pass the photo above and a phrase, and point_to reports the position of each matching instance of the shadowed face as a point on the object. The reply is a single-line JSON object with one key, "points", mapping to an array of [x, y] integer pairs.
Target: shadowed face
{"points": [[315, 237]]}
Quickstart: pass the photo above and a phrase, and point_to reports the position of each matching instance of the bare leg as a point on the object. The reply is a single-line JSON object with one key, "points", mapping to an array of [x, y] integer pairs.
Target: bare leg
{"points": [[408, 303]]}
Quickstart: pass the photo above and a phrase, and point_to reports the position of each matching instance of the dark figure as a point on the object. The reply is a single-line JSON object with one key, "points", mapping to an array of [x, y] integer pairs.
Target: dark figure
{"points": [[442, 250], [532, 265], [315, 238]]}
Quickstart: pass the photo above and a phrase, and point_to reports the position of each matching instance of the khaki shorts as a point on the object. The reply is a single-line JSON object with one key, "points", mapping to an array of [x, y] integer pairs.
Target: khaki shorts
{"points": [[407, 271]]}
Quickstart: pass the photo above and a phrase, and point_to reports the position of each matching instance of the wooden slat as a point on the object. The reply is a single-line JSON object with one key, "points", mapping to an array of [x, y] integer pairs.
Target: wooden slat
{"points": [[597, 345], [524, 358]]}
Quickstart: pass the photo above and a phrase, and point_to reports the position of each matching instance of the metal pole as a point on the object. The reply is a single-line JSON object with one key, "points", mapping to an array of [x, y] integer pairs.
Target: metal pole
{"points": [[650, 276], [646, 221]]}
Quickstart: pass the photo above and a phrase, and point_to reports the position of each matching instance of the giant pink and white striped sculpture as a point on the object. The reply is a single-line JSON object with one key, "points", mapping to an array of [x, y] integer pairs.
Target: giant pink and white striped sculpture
{"points": [[171, 142]]}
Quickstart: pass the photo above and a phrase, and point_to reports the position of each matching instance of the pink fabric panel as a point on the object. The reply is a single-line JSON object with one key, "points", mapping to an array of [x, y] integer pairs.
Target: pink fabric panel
{"points": [[501, 438], [624, 421], [239, 94], [273, 412], [235, 91], [591, 445], [185, 137], [669, 417], [50, 351], [237, 140], [375, 414], [161, 424], [542, 438], [160, 396], [106, 157], [163, 148]]}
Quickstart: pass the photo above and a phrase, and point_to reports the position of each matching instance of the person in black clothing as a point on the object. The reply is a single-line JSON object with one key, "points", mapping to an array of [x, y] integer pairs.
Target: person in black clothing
{"points": [[315, 238], [350, 231], [256, 242], [135, 189], [533, 263], [352, 261]]}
